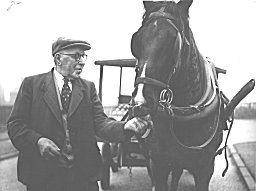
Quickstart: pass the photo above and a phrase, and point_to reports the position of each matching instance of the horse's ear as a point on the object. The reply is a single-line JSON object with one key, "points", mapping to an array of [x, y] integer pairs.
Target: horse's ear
{"points": [[148, 4], [185, 4]]}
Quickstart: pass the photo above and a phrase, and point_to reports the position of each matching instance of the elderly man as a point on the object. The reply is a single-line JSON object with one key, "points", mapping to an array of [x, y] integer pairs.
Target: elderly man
{"points": [[54, 121]]}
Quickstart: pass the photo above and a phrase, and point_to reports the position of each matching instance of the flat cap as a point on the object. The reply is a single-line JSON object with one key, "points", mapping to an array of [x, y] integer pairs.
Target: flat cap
{"points": [[64, 43]]}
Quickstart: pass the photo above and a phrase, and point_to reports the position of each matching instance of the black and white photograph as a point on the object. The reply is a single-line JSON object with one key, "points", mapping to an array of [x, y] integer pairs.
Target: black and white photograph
{"points": [[132, 95]]}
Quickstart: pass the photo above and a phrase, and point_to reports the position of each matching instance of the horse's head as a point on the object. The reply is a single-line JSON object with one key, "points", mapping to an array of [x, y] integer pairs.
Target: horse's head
{"points": [[157, 46]]}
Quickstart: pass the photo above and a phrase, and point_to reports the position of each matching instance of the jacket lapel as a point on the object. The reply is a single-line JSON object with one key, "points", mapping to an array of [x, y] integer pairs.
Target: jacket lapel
{"points": [[77, 96], [50, 96]]}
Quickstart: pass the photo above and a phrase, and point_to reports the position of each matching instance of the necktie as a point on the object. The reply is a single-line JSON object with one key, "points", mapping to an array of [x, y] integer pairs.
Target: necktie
{"points": [[65, 95], [67, 158]]}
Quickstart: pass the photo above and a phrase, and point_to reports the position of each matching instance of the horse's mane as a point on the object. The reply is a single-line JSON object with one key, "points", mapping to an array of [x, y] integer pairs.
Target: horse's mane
{"points": [[192, 68]]}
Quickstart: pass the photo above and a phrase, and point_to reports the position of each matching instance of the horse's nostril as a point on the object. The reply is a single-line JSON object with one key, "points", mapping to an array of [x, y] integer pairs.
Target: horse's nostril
{"points": [[138, 110]]}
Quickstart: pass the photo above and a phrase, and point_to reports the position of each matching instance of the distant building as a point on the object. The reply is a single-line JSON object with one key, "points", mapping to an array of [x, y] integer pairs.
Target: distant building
{"points": [[13, 95], [253, 106], [8, 95], [6, 107], [246, 111], [2, 101]]}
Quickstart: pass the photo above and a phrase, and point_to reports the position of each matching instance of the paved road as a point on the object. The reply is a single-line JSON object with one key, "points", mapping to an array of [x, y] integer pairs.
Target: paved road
{"points": [[140, 180], [242, 131], [8, 177]]}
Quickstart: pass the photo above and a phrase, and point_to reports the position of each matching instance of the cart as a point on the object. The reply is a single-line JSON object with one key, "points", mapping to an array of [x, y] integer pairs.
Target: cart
{"points": [[127, 154]]}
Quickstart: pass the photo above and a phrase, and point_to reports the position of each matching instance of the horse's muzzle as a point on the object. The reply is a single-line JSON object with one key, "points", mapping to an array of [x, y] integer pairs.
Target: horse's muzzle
{"points": [[138, 111]]}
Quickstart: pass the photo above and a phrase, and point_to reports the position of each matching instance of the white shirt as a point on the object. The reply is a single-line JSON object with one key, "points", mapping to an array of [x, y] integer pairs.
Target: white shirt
{"points": [[59, 80]]}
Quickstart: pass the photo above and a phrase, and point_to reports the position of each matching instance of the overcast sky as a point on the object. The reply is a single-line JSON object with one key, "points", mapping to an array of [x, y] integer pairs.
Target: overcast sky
{"points": [[224, 31]]}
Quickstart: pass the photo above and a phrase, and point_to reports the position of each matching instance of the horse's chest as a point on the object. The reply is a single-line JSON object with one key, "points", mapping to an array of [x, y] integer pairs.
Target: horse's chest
{"points": [[163, 147]]}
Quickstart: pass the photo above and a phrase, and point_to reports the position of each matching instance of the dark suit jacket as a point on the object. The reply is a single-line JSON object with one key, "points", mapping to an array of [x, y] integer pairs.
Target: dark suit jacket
{"points": [[36, 114]]}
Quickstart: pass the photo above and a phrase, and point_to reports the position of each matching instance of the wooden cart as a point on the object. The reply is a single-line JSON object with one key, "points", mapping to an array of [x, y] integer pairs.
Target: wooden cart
{"points": [[128, 154]]}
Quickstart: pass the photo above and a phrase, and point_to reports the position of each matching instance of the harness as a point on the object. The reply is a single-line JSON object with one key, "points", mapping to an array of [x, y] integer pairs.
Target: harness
{"points": [[166, 95], [204, 107]]}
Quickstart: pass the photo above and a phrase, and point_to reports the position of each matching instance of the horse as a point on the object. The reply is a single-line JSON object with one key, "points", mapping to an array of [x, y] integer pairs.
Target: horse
{"points": [[178, 87]]}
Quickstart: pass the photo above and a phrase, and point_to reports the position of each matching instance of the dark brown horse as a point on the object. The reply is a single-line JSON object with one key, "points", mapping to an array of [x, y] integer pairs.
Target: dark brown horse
{"points": [[178, 87]]}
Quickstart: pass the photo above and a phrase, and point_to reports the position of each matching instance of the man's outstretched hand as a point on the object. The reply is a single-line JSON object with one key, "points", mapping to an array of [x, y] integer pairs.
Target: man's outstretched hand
{"points": [[139, 125]]}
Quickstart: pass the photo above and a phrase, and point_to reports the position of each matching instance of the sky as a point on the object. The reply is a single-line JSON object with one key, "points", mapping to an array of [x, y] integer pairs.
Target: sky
{"points": [[224, 31]]}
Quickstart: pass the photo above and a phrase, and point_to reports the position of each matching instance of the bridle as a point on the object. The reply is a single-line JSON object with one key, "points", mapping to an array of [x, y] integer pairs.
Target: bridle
{"points": [[166, 95], [181, 113]]}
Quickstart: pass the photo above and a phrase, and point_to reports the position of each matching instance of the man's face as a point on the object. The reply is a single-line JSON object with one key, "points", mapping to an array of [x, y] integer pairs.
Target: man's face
{"points": [[71, 62]]}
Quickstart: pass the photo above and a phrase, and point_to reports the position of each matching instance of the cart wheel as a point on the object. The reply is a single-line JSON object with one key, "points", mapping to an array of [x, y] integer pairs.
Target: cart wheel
{"points": [[106, 158], [114, 154], [119, 155], [114, 166]]}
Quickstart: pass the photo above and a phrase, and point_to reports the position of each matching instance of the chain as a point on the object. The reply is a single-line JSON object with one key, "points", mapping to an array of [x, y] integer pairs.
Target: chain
{"points": [[130, 173]]}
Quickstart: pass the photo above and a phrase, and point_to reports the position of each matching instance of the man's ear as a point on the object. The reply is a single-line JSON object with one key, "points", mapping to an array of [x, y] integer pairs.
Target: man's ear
{"points": [[57, 59], [57, 56], [184, 5]]}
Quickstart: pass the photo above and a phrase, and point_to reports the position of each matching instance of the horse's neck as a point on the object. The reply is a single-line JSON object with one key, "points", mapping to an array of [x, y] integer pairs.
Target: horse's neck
{"points": [[190, 81]]}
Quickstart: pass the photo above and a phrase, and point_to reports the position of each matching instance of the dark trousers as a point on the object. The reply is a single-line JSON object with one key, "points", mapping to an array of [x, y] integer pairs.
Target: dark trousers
{"points": [[65, 180]]}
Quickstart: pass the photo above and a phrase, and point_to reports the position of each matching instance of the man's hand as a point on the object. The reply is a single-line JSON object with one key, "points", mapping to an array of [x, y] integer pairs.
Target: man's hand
{"points": [[48, 149], [139, 125]]}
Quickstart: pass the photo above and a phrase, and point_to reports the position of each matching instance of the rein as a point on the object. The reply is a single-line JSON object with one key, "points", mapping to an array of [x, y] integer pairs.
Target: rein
{"points": [[189, 112], [193, 112]]}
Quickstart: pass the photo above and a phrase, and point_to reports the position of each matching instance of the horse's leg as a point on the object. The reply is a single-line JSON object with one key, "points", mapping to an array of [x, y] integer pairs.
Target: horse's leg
{"points": [[202, 177], [176, 174], [160, 173], [149, 171]]}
